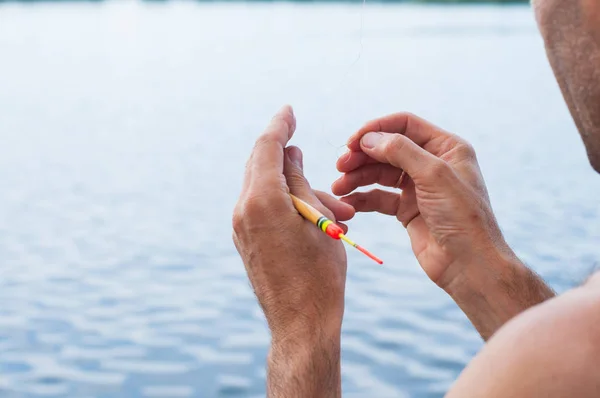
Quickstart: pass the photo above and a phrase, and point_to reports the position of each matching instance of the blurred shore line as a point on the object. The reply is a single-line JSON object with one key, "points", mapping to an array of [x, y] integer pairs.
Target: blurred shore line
{"points": [[450, 2]]}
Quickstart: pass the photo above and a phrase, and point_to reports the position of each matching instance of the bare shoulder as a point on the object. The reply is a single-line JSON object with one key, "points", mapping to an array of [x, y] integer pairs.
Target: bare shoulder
{"points": [[551, 350]]}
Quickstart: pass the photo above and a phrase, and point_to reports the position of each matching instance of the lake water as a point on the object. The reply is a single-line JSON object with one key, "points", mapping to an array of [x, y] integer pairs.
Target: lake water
{"points": [[124, 130]]}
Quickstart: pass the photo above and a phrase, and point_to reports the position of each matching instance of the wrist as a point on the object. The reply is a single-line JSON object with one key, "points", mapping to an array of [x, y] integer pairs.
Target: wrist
{"points": [[304, 348], [302, 332], [305, 362], [495, 286], [307, 319], [482, 273]]}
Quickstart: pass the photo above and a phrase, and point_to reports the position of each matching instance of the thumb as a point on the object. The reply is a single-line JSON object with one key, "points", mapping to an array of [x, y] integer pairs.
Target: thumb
{"points": [[400, 151], [294, 175], [297, 183]]}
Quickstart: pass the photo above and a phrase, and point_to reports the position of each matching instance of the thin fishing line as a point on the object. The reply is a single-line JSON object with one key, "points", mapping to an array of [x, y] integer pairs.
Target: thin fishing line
{"points": [[345, 76], [360, 50]]}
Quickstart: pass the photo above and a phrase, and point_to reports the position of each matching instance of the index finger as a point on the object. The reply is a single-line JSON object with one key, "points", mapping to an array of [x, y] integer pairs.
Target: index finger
{"points": [[418, 130], [266, 161]]}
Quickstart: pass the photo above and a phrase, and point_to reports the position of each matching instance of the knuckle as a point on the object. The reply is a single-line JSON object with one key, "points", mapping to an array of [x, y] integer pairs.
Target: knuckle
{"points": [[360, 199], [255, 204], [466, 150], [296, 179], [280, 124], [285, 122], [394, 145], [249, 209], [437, 170], [413, 122], [263, 140], [237, 221], [286, 125], [409, 115], [365, 173]]}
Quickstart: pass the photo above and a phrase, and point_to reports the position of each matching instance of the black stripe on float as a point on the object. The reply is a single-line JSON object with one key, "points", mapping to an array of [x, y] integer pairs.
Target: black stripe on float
{"points": [[320, 221]]}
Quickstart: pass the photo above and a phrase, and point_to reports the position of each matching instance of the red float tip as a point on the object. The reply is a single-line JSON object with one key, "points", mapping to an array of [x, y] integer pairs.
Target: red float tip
{"points": [[370, 255], [334, 231]]}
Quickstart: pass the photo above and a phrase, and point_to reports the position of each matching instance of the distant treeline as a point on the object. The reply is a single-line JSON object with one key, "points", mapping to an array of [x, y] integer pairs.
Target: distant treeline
{"points": [[305, 1]]}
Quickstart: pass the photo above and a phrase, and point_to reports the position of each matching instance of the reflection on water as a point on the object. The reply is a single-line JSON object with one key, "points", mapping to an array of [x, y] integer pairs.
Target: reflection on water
{"points": [[125, 128]]}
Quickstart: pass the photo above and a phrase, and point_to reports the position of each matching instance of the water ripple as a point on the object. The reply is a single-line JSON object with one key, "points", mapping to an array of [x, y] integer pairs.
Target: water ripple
{"points": [[123, 149]]}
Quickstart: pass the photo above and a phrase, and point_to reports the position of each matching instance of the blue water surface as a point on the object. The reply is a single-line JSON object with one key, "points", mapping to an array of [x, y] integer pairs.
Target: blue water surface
{"points": [[124, 129]]}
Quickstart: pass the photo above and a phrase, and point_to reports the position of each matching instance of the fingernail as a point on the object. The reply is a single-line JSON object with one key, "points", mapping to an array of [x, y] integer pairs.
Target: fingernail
{"points": [[296, 157], [286, 110], [370, 140], [344, 158], [286, 113]]}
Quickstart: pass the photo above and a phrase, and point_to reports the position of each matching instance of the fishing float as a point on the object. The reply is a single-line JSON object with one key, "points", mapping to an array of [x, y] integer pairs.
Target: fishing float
{"points": [[329, 227]]}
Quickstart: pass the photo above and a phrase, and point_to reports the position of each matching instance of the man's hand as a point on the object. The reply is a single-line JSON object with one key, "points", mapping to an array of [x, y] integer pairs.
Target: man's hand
{"points": [[298, 273], [445, 207]]}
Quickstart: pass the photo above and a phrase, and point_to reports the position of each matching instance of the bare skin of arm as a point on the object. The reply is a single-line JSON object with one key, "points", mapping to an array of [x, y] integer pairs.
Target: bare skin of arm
{"points": [[550, 351], [443, 203], [553, 349], [571, 32], [307, 365]]}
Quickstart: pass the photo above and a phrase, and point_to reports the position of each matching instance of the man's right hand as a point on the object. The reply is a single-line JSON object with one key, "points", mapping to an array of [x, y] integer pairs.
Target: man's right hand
{"points": [[445, 207]]}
